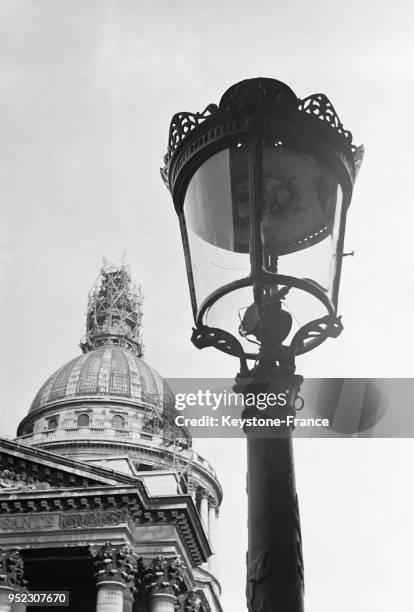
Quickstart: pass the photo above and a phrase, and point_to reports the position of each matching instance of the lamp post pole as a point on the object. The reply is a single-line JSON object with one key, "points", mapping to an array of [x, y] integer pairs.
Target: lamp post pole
{"points": [[262, 182], [274, 557]]}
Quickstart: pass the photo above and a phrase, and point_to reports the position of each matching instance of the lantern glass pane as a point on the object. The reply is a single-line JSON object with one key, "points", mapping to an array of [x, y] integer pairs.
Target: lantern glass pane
{"points": [[301, 214], [217, 216]]}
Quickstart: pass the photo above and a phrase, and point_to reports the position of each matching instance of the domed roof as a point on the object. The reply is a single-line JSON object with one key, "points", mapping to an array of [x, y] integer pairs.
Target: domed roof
{"points": [[107, 372]]}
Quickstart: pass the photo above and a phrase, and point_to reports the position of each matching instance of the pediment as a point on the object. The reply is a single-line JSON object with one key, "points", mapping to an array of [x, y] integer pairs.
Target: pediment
{"points": [[26, 468], [40, 490]]}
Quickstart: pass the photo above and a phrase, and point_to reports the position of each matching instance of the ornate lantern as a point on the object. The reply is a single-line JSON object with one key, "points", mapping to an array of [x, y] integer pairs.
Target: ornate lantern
{"points": [[261, 185]]}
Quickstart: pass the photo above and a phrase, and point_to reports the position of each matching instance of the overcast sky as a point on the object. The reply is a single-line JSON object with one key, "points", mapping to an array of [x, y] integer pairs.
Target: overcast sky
{"points": [[87, 90]]}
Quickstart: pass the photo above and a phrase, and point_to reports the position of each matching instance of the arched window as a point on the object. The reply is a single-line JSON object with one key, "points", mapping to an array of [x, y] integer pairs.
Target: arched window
{"points": [[83, 420], [52, 423], [118, 422]]}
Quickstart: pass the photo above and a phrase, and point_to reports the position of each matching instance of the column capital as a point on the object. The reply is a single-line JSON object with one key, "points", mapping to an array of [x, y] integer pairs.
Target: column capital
{"points": [[115, 564], [11, 569], [205, 494], [163, 575], [192, 602], [212, 502]]}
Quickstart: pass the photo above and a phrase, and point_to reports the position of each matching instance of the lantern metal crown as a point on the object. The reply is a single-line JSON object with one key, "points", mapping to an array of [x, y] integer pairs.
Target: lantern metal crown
{"points": [[261, 184]]}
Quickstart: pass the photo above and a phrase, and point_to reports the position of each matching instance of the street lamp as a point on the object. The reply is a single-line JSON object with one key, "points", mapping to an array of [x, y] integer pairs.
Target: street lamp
{"points": [[261, 184]]}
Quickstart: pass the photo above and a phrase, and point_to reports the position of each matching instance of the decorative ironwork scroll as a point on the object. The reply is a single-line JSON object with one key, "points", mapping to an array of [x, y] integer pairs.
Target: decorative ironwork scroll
{"points": [[252, 94], [182, 124], [317, 331], [320, 106]]}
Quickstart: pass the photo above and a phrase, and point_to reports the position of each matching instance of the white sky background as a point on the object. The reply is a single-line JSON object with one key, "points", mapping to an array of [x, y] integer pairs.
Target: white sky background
{"points": [[87, 90]]}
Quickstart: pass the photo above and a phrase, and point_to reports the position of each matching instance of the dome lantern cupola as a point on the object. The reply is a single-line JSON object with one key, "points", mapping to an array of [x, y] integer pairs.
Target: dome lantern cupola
{"points": [[114, 311]]}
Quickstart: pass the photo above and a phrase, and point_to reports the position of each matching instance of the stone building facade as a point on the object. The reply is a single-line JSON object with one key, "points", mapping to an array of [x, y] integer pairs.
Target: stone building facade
{"points": [[101, 494]]}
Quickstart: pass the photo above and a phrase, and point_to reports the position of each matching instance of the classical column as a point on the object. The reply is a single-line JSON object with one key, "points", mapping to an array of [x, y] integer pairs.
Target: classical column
{"points": [[116, 571], [162, 580], [11, 579], [19, 607], [128, 600], [212, 524], [5, 604], [204, 515], [110, 597], [204, 508]]}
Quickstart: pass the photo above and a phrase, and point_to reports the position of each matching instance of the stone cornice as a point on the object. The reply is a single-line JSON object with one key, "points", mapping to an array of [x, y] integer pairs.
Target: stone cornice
{"points": [[134, 500]]}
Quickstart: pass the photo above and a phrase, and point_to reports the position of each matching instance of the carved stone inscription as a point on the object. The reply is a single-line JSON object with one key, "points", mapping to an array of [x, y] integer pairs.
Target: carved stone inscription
{"points": [[97, 518], [70, 520], [29, 522]]}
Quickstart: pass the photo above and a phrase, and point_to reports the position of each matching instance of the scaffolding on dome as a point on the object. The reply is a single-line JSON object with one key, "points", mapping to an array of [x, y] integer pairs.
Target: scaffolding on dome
{"points": [[114, 316], [175, 443], [114, 311], [174, 439]]}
